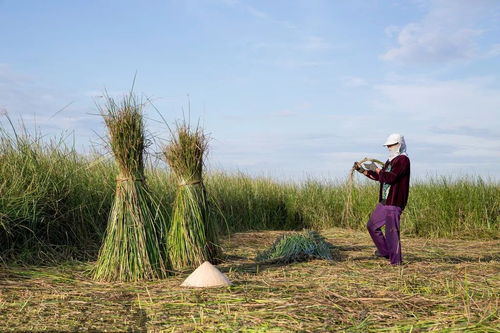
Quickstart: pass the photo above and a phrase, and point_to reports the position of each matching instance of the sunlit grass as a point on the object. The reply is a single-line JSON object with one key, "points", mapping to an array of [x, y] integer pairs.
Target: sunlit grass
{"points": [[444, 286], [54, 202], [131, 249], [192, 237]]}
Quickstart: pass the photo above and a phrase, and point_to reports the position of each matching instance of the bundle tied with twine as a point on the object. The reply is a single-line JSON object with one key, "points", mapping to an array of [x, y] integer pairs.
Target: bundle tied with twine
{"points": [[131, 249], [192, 237], [348, 213]]}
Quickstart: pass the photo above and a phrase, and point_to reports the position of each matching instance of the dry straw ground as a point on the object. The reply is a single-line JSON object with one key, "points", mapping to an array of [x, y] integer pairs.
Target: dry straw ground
{"points": [[445, 285]]}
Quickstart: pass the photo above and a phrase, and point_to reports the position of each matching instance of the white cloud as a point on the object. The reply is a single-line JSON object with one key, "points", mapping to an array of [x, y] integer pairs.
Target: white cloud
{"points": [[478, 152], [454, 121], [450, 31], [461, 145], [453, 103], [417, 43], [21, 94], [29, 102], [452, 128]]}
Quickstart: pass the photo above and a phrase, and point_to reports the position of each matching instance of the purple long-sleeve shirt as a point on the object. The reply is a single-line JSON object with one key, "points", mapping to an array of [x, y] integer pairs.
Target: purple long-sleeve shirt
{"points": [[395, 173]]}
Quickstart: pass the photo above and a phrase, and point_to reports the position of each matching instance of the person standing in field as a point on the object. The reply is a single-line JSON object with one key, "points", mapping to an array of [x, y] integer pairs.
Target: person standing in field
{"points": [[394, 178]]}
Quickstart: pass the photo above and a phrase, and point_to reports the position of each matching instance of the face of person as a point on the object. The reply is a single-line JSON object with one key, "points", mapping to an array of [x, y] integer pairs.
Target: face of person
{"points": [[392, 147]]}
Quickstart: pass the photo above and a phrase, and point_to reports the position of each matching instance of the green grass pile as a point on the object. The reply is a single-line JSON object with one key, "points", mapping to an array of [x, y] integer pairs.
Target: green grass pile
{"points": [[296, 247], [132, 247], [192, 238]]}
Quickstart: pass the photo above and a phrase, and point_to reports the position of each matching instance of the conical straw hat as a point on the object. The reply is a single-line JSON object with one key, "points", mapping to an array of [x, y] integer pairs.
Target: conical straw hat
{"points": [[206, 276]]}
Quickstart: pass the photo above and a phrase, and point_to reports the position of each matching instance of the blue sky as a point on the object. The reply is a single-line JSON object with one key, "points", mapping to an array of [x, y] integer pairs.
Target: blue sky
{"points": [[290, 89]]}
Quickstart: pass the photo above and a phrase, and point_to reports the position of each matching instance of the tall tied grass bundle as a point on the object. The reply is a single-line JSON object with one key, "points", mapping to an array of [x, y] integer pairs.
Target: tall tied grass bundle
{"points": [[295, 247], [348, 213], [131, 249], [192, 238]]}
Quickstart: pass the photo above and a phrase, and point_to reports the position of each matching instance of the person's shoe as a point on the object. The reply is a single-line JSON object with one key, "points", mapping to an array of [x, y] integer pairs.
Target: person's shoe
{"points": [[377, 254], [395, 264]]}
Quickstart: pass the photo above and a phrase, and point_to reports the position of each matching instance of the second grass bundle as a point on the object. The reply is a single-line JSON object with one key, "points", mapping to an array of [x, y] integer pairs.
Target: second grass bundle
{"points": [[192, 238]]}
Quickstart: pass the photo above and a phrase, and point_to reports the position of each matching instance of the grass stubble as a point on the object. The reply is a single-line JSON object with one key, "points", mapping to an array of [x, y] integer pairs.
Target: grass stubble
{"points": [[444, 285]]}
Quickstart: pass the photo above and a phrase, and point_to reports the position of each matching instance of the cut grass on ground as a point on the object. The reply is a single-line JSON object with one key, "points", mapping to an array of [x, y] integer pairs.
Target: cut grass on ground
{"points": [[443, 284]]}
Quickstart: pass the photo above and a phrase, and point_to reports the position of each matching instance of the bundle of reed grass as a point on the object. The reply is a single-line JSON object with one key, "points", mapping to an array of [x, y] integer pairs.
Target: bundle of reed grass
{"points": [[131, 249], [192, 238], [295, 247], [348, 213]]}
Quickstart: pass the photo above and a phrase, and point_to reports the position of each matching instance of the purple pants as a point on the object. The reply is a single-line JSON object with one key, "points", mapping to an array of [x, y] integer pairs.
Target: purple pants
{"points": [[389, 245]]}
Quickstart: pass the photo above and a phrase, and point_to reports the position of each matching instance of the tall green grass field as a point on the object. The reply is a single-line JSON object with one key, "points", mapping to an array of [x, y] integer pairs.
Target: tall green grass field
{"points": [[54, 202]]}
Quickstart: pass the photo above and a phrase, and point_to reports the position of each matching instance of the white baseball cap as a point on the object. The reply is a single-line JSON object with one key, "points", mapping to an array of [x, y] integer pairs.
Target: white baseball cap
{"points": [[393, 139]]}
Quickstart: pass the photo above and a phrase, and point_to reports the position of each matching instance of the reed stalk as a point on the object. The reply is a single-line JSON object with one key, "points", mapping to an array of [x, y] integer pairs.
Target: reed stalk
{"points": [[348, 212], [192, 238], [131, 248]]}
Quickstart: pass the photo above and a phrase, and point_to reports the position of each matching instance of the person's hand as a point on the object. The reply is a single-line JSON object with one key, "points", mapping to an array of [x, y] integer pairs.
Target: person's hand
{"points": [[357, 166], [370, 166]]}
